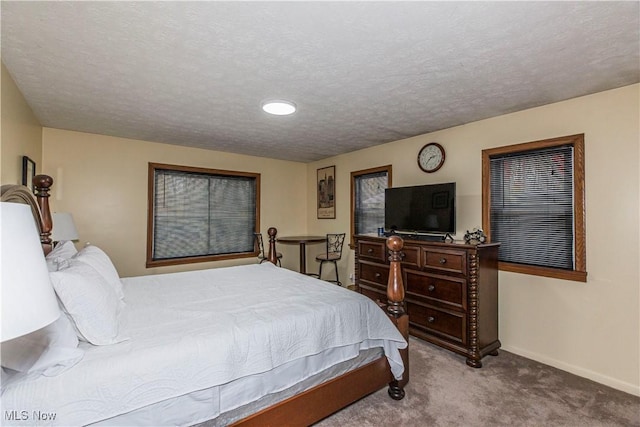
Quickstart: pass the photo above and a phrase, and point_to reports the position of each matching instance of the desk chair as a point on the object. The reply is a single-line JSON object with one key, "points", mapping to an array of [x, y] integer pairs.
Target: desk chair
{"points": [[333, 254], [262, 255]]}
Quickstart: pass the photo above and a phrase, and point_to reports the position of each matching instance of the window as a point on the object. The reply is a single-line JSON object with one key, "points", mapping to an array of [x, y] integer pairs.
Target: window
{"points": [[533, 204], [367, 199], [198, 215]]}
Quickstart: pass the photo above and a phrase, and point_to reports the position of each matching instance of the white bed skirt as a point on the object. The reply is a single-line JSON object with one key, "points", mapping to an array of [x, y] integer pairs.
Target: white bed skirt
{"points": [[199, 408]]}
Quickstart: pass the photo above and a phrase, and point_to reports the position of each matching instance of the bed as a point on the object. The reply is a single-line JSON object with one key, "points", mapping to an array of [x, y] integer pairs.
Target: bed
{"points": [[247, 345]]}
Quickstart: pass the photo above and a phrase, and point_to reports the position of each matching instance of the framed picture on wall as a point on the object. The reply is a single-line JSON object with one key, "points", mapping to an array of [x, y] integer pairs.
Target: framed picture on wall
{"points": [[326, 186], [28, 172]]}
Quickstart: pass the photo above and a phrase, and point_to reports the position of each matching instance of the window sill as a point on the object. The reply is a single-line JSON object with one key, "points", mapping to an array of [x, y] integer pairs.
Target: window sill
{"points": [[577, 276]]}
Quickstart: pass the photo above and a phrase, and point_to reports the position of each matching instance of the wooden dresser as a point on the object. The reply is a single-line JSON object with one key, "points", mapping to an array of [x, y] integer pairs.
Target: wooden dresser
{"points": [[451, 291]]}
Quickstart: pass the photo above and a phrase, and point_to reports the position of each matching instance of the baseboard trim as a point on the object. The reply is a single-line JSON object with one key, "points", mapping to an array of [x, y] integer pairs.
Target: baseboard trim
{"points": [[585, 373]]}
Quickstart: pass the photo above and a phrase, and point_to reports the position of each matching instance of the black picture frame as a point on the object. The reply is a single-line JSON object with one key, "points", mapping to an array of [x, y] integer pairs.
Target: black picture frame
{"points": [[326, 187], [28, 172]]}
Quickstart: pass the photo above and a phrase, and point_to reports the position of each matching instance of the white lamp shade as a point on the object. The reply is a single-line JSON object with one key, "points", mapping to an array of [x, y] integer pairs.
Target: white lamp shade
{"points": [[63, 227], [28, 300]]}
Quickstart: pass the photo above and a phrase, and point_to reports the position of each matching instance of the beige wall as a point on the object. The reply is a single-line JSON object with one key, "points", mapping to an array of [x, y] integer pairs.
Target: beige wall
{"points": [[21, 133], [102, 181], [593, 328]]}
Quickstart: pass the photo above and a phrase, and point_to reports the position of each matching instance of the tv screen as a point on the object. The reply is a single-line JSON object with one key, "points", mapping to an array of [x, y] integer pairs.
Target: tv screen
{"points": [[421, 209]]}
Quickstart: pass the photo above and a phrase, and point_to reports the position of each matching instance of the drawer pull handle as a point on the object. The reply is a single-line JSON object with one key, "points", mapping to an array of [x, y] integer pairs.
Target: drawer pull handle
{"points": [[378, 275], [369, 251], [431, 288], [431, 319], [443, 260]]}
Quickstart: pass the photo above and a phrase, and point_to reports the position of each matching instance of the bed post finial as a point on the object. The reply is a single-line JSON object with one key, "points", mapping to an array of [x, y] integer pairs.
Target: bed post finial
{"points": [[272, 254], [396, 310], [42, 184]]}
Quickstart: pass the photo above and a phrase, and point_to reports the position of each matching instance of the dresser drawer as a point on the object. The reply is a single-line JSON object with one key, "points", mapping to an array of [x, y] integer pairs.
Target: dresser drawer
{"points": [[411, 256], [445, 290], [445, 260], [373, 250], [376, 273], [438, 322]]}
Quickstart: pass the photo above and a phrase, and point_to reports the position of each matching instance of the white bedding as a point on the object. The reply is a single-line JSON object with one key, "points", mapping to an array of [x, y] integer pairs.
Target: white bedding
{"points": [[195, 330]]}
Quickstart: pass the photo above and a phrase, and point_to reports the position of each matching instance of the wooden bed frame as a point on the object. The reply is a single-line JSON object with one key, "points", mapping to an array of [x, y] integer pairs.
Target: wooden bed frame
{"points": [[313, 404], [39, 206]]}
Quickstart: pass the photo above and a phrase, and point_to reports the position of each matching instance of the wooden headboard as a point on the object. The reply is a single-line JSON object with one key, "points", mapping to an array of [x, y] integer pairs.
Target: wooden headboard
{"points": [[39, 205]]}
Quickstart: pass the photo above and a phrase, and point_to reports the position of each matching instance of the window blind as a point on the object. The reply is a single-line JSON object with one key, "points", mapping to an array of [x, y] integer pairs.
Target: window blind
{"points": [[532, 207], [369, 202], [200, 214]]}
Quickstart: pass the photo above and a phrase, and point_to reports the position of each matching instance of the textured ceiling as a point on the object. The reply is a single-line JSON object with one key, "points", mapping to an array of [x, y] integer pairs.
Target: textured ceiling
{"points": [[361, 73]]}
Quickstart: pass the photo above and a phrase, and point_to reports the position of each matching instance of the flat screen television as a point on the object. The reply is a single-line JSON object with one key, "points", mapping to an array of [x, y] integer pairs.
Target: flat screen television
{"points": [[428, 209]]}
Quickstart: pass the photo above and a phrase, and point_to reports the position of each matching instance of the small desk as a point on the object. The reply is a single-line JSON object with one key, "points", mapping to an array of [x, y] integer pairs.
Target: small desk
{"points": [[302, 241]]}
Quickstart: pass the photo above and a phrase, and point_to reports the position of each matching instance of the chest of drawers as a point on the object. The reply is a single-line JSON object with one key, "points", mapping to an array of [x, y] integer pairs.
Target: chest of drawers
{"points": [[451, 291]]}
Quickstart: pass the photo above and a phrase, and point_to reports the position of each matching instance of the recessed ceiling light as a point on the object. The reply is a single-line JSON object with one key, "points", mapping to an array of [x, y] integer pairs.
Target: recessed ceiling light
{"points": [[279, 107]]}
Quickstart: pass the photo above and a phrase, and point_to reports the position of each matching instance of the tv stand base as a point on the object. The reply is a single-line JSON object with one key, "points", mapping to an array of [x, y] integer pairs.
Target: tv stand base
{"points": [[424, 237]]}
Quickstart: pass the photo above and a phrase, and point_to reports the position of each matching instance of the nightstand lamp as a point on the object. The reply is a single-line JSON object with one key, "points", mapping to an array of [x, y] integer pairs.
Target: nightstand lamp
{"points": [[63, 227], [28, 300]]}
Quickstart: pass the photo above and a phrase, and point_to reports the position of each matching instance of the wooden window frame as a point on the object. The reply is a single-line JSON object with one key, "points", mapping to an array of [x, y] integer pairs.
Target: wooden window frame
{"points": [[388, 169], [579, 272], [150, 262]]}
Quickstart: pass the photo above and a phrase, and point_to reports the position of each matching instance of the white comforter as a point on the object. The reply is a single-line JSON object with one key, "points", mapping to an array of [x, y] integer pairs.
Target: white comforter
{"points": [[195, 330]]}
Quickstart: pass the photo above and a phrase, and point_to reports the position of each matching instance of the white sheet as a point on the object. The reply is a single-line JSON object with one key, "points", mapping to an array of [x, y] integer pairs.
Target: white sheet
{"points": [[192, 331]]}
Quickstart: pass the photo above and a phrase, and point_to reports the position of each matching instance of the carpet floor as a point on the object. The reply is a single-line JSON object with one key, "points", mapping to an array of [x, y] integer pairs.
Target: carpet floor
{"points": [[509, 390]]}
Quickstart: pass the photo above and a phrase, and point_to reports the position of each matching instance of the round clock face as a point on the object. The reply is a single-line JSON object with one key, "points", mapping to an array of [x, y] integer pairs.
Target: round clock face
{"points": [[431, 157]]}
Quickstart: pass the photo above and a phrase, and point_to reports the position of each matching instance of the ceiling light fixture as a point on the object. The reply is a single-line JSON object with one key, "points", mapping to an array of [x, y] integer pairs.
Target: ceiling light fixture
{"points": [[279, 107]]}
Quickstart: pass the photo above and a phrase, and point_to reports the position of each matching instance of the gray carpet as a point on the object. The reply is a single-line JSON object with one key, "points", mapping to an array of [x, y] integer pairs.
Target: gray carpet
{"points": [[509, 390]]}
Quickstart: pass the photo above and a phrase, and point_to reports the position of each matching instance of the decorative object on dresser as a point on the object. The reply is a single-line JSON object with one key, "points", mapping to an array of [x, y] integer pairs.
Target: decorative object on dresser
{"points": [[451, 291], [475, 236]]}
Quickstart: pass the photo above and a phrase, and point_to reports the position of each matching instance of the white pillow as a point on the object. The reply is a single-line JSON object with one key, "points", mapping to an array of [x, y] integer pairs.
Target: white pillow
{"points": [[90, 301], [100, 261], [50, 350], [58, 258], [55, 264], [65, 249]]}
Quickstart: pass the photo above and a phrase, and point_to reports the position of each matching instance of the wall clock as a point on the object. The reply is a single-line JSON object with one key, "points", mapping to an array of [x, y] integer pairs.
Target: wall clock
{"points": [[431, 157]]}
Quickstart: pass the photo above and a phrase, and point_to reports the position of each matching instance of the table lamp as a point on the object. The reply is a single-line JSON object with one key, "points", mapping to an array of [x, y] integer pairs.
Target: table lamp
{"points": [[63, 227], [28, 300]]}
